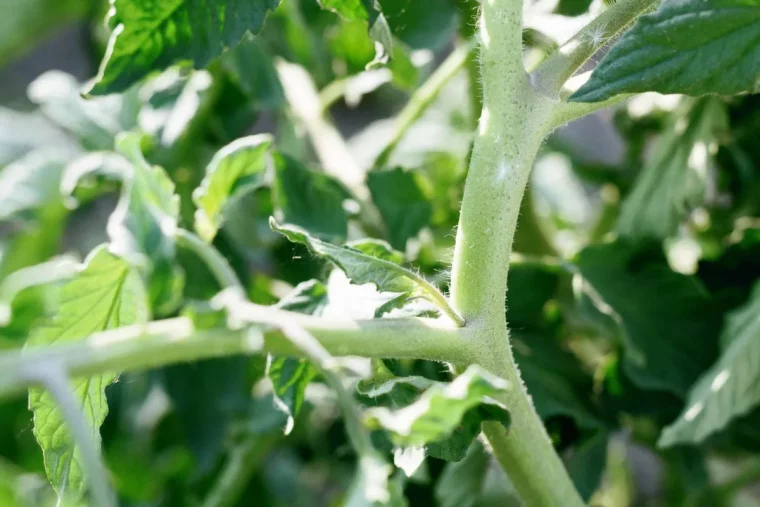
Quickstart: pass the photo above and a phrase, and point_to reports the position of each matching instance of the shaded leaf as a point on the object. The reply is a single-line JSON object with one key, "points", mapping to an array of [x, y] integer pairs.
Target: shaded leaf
{"points": [[729, 389], [107, 294], [403, 203], [586, 463], [310, 199], [669, 322], [676, 178], [149, 36], [661, 50], [235, 169], [461, 483], [251, 68]]}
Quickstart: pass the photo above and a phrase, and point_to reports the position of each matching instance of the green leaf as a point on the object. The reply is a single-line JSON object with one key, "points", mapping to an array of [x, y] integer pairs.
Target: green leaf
{"points": [[290, 376], [420, 26], [366, 262], [107, 294], [370, 11], [728, 389], [461, 483], [438, 412], [149, 36], [675, 180], [252, 69], [235, 169], [310, 199], [586, 463], [403, 203], [670, 323], [96, 122], [686, 46], [145, 219]]}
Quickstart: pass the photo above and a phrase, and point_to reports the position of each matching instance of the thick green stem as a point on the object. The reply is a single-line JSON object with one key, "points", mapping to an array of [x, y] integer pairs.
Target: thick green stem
{"points": [[513, 123], [176, 340]]}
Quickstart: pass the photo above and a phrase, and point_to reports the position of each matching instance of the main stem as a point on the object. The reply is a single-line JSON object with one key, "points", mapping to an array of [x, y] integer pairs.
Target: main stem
{"points": [[514, 121]]}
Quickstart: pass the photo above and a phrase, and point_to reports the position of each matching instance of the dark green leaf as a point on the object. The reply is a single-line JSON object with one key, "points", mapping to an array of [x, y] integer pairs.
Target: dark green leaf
{"points": [[107, 294], [403, 203], [235, 169], [686, 46], [149, 36], [461, 483], [586, 463], [728, 390], [676, 178], [310, 199], [252, 69], [669, 322]]}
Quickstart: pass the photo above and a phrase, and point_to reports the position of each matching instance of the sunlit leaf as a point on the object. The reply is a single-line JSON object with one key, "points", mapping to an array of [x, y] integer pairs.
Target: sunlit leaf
{"points": [[149, 36], [235, 169], [440, 409], [107, 294]]}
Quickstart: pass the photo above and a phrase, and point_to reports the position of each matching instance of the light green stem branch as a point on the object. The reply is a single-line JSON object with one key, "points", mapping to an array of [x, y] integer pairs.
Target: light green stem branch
{"points": [[175, 340], [551, 75], [53, 378], [514, 121], [423, 97]]}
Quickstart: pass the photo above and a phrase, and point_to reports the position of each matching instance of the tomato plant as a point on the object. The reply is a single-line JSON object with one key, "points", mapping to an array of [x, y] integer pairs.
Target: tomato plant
{"points": [[262, 256]]}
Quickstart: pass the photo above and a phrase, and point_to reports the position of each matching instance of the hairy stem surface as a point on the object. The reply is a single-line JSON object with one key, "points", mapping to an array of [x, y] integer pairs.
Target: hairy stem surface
{"points": [[513, 123]]}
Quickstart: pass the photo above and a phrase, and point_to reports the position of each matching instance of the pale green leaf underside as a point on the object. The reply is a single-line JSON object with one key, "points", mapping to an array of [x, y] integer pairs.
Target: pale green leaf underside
{"points": [[687, 46], [438, 412], [151, 35], [730, 388], [107, 294], [237, 167]]}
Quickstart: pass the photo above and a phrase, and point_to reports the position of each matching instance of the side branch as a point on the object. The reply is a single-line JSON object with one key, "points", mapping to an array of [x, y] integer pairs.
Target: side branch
{"points": [[176, 340], [551, 75]]}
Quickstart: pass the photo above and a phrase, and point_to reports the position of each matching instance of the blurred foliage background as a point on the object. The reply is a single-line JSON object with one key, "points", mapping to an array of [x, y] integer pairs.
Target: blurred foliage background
{"points": [[639, 246]]}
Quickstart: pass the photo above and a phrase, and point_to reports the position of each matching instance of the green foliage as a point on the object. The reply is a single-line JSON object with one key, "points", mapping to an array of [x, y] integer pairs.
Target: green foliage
{"points": [[657, 53], [149, 36], [632, 296], [727, 390], [106, 294]]}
